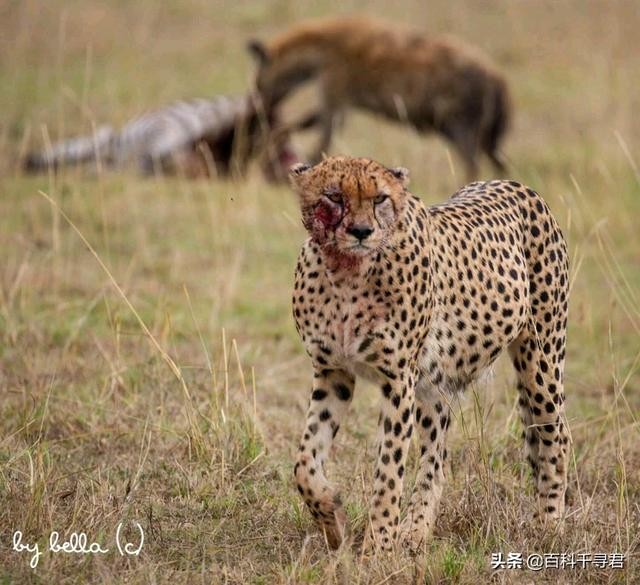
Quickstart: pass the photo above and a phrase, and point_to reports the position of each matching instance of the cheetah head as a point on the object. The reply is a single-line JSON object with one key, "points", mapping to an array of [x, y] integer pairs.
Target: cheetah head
{"points": [[350, 206]]}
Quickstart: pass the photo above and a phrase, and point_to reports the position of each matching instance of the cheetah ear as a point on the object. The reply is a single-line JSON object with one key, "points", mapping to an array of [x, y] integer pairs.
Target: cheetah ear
{"points": [[259, 51], [402, 174], [296, 171]]}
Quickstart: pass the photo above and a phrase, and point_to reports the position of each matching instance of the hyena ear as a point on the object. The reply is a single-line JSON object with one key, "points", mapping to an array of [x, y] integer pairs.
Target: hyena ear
{"points": [[259, 51], [401, 174], [296, 172]]}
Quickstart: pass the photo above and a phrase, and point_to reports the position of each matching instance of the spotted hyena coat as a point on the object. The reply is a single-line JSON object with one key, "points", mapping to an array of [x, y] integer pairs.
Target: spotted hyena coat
{"points": [[432, 83], [420, 300]]}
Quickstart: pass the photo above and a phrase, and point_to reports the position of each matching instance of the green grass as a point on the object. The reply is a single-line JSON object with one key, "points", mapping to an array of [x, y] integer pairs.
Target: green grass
{"points": [[97, 428]]}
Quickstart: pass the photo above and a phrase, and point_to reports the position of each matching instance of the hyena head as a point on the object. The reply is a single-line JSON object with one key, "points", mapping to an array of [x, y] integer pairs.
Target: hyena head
{"points": [[281, 70], [350, 206]]}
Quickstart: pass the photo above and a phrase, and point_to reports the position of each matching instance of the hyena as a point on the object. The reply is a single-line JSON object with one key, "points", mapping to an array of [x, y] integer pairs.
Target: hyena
{"points": [[434, 84]]}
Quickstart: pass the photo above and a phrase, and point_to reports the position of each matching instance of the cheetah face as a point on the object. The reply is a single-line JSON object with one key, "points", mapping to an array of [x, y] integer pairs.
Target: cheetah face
{"points": [[351, 207]]}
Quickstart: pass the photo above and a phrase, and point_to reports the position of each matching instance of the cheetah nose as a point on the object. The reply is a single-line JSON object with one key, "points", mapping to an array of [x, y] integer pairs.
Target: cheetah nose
{"points": [[361, 232]]}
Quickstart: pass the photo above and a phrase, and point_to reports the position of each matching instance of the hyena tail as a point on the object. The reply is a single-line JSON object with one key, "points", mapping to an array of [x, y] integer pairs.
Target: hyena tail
{"points": [[498, 125], [76, 150]]}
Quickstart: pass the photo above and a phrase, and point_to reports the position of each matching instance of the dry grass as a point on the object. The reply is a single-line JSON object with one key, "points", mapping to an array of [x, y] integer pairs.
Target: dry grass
{"points": [[176, 398]]}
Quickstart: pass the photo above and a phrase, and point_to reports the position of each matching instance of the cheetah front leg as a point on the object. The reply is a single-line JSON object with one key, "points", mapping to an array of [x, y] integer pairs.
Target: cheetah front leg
{"points": [[432, 420], [396, 427], [330, 398]]}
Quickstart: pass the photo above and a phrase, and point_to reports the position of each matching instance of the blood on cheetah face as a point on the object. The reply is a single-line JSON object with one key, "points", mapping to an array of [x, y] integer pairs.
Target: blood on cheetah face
{"points": [[350, 214]]}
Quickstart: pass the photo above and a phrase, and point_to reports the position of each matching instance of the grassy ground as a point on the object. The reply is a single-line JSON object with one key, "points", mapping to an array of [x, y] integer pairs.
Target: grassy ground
{"points": [[175, 399]]}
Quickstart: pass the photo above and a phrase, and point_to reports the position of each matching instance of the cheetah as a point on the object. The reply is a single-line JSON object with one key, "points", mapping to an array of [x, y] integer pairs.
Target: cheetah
{"points": [[420, 301], [432, 83]]}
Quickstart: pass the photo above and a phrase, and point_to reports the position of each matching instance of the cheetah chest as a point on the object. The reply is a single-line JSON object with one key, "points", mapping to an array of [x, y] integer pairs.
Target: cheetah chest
{"points": [[348, 332], [355, 322]]}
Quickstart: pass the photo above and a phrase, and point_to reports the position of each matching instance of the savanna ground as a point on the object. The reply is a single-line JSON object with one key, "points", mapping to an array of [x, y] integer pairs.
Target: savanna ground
{"points": [[176, 399]]}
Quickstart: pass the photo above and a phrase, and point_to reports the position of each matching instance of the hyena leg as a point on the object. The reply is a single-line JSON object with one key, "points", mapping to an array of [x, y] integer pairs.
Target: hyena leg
{"points": [[327, 121], [497, 161], [540, 380], [465, 141], [330, 399], [468, 150], [396, 427], [432, 420]]}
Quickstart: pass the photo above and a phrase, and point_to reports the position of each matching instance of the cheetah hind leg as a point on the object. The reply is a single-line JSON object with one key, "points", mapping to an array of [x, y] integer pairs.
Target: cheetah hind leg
{"points": [[432, 418], [546, 433]]}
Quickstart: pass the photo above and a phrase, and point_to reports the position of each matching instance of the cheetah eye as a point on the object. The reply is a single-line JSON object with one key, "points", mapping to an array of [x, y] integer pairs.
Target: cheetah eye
{"points": [[333, 196], [380, 199]]}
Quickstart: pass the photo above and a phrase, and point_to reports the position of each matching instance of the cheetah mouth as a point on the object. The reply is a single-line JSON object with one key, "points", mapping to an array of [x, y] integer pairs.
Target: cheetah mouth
{"points": [[359, 248]]}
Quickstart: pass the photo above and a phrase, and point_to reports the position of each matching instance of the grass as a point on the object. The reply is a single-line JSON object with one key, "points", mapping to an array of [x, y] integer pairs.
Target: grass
{"points": [[190, 426]]}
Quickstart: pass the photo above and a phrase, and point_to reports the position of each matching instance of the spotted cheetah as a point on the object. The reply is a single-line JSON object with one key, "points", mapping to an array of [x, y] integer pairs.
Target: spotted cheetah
{"points": [[420, 301]]}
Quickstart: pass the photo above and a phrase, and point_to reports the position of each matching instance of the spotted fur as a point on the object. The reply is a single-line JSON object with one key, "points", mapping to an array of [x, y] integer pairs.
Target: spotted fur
{"points": [[421, 300]]}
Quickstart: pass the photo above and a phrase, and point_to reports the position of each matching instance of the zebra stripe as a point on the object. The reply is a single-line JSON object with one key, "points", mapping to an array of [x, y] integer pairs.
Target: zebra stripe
{"points": [[153, 136]]}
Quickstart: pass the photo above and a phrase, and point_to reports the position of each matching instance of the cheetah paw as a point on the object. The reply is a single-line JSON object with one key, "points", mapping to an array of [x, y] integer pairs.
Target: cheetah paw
{"points": [[333, 521]]}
